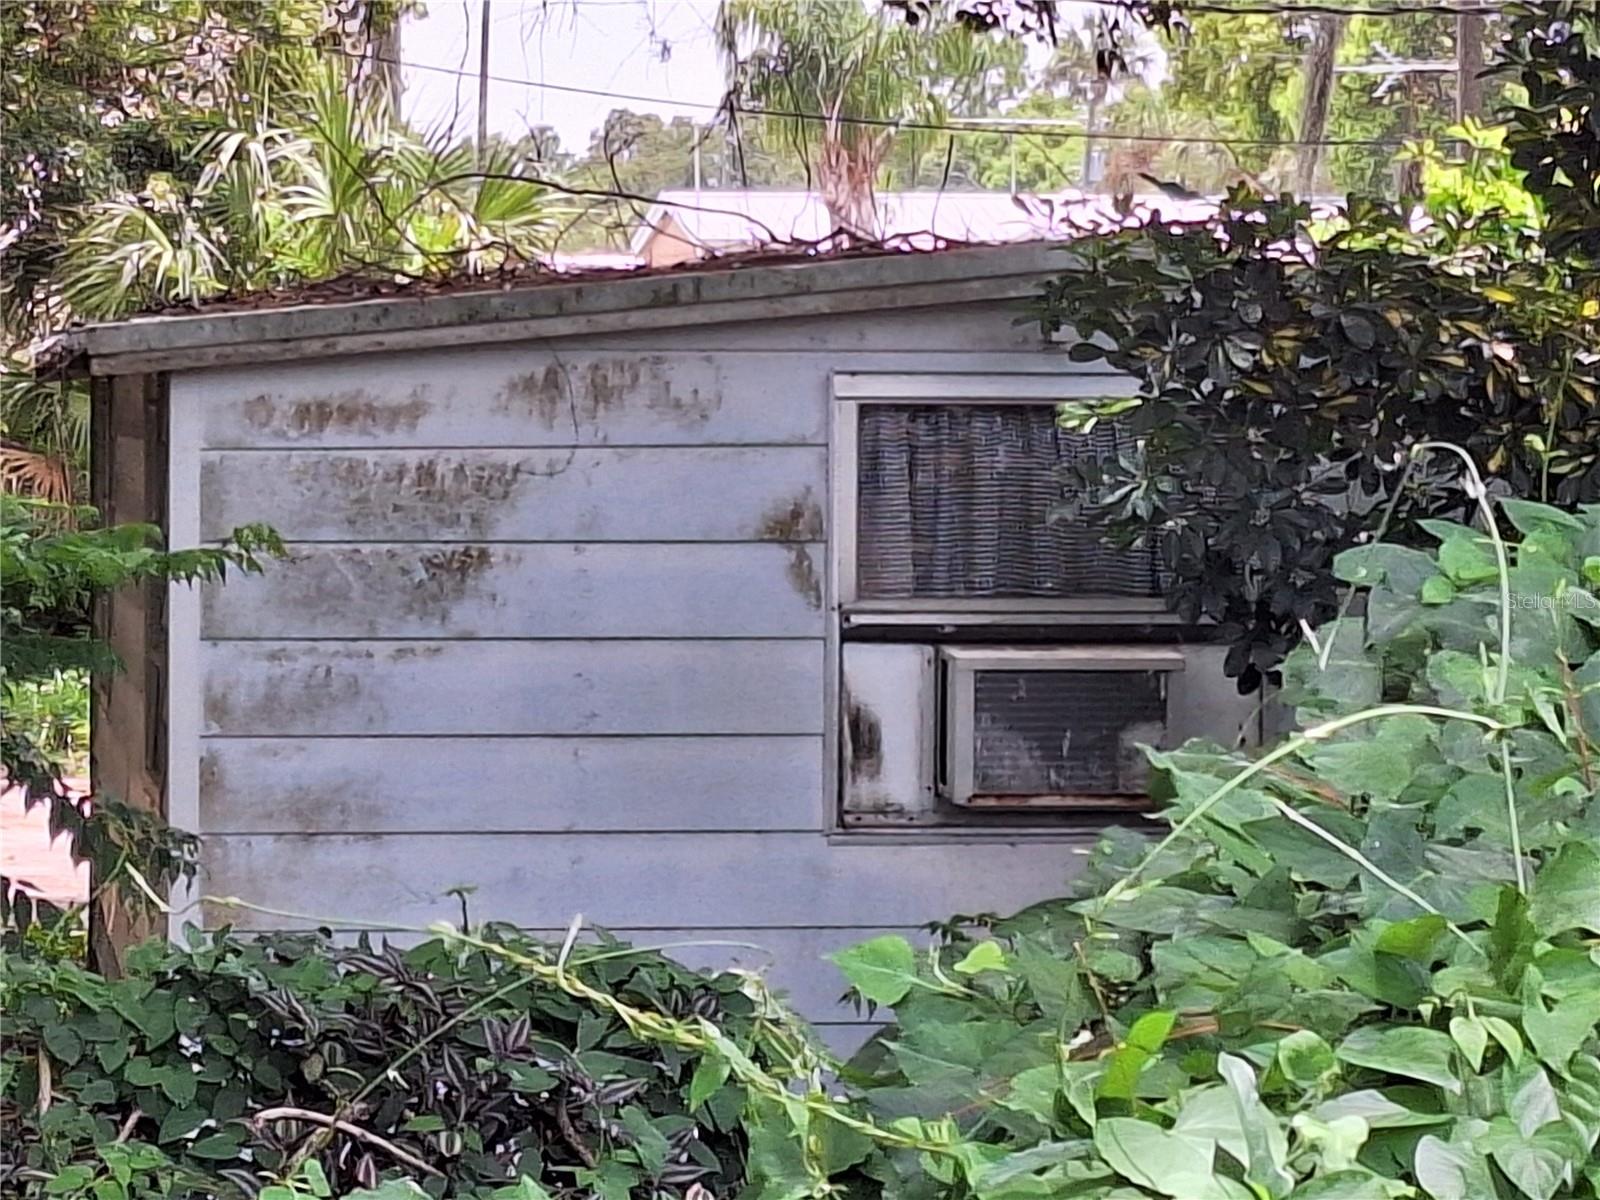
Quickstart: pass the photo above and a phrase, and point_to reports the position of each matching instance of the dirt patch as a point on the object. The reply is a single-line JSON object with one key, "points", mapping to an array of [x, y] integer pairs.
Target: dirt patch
{"points": [[796, 520], [353, 413]]}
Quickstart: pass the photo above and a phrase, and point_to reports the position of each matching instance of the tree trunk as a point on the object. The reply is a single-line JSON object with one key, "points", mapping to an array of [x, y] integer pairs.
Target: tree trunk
{"points": [[1469, 65], [846, 175], [1319, 95]]}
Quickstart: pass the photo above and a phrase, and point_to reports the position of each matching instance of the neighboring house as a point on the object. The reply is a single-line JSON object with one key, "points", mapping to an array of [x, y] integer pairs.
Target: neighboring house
{"points": [[717, 603], [690, 225]]}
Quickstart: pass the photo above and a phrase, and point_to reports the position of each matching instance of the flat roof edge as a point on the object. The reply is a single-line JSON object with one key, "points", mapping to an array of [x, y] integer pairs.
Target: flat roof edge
{"points": [[715, 295]]}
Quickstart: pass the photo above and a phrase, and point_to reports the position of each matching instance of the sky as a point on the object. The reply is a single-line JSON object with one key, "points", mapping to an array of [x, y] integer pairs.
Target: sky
{"points": [[655, 48], [663, 49]]}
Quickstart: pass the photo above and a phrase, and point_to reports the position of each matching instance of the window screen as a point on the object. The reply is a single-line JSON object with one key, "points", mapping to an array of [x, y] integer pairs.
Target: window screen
{"points": [[954, 503], [1065, 732]]}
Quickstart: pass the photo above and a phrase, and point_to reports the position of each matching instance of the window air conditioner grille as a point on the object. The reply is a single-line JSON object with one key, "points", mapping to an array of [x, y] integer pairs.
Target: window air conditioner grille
{"points": [[954, 502], [1065, 733]]}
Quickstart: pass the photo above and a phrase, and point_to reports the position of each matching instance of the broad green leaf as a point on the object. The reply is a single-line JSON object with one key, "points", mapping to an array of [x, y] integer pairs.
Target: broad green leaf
{"points": [[1529, 1097], [1416, 938], [1169, 1163], [1471, 1038], [1034, 1092], [1416, 1053], [1264, 1136], [710, 1073], [1144, 1041], [180, 1123], [1364, 766], [985, 956], [1352, 1185], [1402, 567], [1538, 1164], [1305, 1059], [1529, 515], [1376, 1109], [1557, 1033], [1436, 589], [1336, 1143], [218, 1145], [883, 969], [1448, 1171], [1210, 1114], [1506, 1034], [1566, 892]]}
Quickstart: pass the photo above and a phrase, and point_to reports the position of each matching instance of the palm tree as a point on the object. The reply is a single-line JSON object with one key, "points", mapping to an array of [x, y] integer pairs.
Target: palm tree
{"points": [[837, 77], [345, 189]]}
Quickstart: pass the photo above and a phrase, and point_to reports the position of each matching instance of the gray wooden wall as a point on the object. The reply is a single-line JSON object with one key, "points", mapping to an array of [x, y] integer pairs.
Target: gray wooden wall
{"points": [[554, 628]]}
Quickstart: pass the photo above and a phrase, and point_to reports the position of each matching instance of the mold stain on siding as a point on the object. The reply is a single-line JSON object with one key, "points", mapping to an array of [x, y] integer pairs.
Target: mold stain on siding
{"points": [[352, 413], [374, 584], [583, 396], [796, 520], [459, 495], [794, 523]]}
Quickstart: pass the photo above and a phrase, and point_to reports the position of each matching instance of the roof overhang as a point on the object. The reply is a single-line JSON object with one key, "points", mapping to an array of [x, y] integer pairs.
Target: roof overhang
{"points": [[709, 293]]}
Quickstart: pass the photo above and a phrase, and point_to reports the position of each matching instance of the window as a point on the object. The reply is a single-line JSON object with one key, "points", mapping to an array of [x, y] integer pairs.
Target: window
{"points": [[999, 662]]}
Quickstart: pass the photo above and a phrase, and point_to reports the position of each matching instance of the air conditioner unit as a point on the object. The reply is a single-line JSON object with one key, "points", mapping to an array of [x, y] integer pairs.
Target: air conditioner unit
{"points": [[1052, 727]]}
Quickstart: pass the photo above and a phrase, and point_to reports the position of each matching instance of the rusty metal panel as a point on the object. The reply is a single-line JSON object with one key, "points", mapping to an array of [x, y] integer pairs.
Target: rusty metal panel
{"points": [[323, 689], [681, 494], [531, 590], [517, 396], [664, 880], [484, 784]]}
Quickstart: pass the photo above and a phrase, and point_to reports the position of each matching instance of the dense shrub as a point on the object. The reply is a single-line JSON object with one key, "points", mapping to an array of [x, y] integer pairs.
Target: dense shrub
{"points": [[1368, 969], [177, 1078], [1288, 365]]}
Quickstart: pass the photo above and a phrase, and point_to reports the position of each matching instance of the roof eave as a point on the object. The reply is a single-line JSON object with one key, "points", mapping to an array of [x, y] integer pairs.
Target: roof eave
{"points": [[716, 294]]}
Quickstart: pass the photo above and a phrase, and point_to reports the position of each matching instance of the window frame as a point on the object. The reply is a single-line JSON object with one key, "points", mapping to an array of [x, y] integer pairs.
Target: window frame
{"points": [[853, 391]]}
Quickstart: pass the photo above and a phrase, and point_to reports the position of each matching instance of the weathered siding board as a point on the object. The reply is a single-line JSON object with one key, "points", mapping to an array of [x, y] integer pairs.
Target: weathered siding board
{"points": [[523, 395], [664, 880], [325, 689], [397, 785], [544, 590], [683, 494]]}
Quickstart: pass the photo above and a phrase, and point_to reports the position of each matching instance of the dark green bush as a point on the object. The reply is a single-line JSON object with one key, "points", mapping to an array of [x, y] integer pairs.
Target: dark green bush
{"points": [[459, 1062]]}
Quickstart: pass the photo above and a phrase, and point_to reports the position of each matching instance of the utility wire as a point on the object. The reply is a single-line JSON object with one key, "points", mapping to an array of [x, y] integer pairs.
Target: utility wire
{"points": [[970, 125]]}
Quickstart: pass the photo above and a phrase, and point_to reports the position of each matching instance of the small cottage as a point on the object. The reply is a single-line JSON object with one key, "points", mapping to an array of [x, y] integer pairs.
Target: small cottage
{"points": [[729, 603]]}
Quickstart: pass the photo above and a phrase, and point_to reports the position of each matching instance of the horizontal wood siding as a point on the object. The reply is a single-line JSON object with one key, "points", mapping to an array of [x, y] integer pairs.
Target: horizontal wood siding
{"points": [[498, 396], [509, 784], [678, 494], [528, 590], [618, 880], [332, 689], [552, 626]]}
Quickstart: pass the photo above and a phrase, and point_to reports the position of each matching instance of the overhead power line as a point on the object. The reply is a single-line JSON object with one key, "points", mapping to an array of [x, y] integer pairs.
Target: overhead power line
{"points": [[1032, 126]]}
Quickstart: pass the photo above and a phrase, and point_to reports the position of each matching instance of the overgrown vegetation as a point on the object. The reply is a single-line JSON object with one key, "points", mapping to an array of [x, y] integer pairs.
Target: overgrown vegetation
{"points": [[210, 1070], [1360, 964], [54, 562]]}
